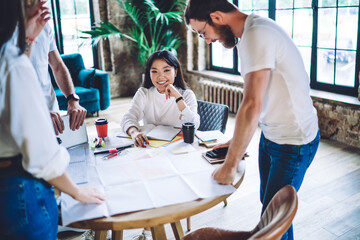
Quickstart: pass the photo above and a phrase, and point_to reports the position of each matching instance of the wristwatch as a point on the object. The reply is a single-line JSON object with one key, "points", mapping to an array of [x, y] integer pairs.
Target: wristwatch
{"points": [[73, 96]]}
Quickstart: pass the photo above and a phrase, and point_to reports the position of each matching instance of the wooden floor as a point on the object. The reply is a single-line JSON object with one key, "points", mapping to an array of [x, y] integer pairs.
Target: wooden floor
{"points": [[329, 199]]}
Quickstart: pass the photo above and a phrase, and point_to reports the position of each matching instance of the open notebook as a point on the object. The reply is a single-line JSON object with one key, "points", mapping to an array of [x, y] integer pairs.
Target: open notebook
{"points": [[159, 132]]}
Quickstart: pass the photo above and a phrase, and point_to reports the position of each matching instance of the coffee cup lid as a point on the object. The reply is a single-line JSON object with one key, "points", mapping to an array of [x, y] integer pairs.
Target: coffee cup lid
{"points": [[188, 125], [101, 121]]}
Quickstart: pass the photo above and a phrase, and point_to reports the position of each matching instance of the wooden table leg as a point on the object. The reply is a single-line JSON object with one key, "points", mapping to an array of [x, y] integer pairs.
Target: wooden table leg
{"points": [[100, 235], [158, 232], [117, 235], [188, 224], [177, 229]]}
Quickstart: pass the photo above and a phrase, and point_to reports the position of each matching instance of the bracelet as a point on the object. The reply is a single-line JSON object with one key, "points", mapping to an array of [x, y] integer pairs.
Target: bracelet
{"points": [[178, 99]]}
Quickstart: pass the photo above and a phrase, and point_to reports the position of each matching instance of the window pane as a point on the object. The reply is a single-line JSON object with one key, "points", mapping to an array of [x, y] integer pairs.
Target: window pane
{"points": [[327, 3], [253, 5], [348, 2], [284, 4], [262, 13], [245, 5], [345, 68], [347, 28], [326, 29], [67, 8], [303, 21], [75, 16], [325, 66], [306, 55], [284, 19], [302, 3], [261, 4], [221, 57]]}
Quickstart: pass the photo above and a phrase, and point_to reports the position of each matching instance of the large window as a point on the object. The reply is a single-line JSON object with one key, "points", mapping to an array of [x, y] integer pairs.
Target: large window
{"points": [[325, 31], [68, 17]]}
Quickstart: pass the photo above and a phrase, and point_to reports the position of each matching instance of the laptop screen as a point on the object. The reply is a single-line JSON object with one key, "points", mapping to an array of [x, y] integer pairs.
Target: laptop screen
{"points": [[70, 138]]}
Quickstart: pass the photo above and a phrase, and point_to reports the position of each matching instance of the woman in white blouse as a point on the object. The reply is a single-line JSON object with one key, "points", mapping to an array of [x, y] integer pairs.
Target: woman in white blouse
{"points": [[163, 99], [30, 158]]}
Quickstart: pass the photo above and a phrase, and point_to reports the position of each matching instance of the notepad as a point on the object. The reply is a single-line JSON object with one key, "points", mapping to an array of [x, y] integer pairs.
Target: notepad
{"points": [[209, 136], [159, 132]]}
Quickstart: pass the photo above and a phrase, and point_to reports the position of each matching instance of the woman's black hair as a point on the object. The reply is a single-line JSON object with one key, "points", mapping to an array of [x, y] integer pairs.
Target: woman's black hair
{"points": [[172, 61], [12, 15]]}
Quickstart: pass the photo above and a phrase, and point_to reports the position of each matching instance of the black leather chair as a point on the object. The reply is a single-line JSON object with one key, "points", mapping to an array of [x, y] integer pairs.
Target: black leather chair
{"points": [[213, 116]]}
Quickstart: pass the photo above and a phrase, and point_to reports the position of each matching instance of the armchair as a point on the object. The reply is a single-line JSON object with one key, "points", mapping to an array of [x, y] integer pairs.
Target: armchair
{"points": [[92, 85]]}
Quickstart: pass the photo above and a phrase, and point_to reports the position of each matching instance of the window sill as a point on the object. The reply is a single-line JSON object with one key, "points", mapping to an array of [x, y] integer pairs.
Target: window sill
{"points": [[220, 76], [315, 94], [334, 98]]}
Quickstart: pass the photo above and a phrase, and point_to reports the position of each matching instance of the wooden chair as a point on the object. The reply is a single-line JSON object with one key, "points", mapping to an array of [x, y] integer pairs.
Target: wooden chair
{"points": [[274, 222]]}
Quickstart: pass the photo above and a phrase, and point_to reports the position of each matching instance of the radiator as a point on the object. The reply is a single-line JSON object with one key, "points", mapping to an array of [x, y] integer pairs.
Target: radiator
{"points": [[222, 93]]}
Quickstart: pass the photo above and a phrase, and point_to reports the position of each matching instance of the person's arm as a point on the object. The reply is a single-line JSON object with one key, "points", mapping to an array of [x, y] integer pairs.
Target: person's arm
{"points": [[64, 81], [80, 193], [246, 123], [37, 17]]}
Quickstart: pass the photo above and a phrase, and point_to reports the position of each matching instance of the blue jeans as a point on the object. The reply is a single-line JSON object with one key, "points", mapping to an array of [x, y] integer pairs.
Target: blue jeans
{"points": [[281, 165], [28, 208]]}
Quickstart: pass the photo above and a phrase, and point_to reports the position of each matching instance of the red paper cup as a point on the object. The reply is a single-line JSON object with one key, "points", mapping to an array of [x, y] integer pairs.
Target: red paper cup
{"points": [[101, 127]]}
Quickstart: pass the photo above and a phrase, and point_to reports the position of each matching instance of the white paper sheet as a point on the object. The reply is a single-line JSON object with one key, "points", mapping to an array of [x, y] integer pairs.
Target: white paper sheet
{"points": [[137, 181]]}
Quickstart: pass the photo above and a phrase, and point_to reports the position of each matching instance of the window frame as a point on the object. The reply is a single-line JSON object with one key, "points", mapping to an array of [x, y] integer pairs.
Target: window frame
{"points": [[59, 39], [314, 84]]}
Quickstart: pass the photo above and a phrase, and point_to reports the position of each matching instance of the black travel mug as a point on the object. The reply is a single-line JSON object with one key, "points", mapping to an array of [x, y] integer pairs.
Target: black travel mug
{"points": [[188, 130]]}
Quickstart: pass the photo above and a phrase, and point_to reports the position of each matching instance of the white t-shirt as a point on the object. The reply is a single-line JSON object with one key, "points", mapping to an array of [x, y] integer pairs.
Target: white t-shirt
{"points": [[288, 115], [153, 108], [43, 45], [25, 124]]}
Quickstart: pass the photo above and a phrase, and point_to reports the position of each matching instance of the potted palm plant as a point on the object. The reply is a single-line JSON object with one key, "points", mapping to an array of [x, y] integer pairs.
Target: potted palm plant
{"points": [[152, 28]]}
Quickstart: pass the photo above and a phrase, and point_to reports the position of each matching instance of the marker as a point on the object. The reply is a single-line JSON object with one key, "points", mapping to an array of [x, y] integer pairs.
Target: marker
{"points": [[113, 150], [111, 155]]}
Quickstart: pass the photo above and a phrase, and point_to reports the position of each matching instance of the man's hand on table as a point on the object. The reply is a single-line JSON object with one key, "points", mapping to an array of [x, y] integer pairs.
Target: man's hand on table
{"points": [[224, 174]]}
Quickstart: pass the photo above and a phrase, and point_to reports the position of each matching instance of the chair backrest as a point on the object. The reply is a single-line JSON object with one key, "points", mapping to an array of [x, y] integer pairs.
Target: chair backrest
{"points": [[213, 116], [278, 215], [274, 222]]}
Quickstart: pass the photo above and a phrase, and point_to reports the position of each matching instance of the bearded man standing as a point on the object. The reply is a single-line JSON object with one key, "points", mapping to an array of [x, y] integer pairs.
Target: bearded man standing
{"points": [[276, 96]]}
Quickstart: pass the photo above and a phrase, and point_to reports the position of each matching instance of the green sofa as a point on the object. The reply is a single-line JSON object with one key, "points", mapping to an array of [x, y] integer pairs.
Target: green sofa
{"points": [[92, 85]]}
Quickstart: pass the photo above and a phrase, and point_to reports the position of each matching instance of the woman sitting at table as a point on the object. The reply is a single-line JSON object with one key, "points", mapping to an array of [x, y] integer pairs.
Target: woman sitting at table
{"points": [[163, 98], [30, 158]]}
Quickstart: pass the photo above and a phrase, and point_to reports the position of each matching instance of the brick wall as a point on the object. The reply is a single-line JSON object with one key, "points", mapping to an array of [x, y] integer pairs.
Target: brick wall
{"points": [[339, 122]]}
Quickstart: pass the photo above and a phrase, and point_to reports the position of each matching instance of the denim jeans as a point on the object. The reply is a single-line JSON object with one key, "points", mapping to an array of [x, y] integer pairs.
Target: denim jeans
{"points": [[28, 208], [283, 164]]}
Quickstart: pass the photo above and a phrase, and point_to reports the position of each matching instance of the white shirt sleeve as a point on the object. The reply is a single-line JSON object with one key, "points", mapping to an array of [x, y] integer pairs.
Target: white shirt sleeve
{"points": [[136, 111], [189, 114], [258, 50], [28, 124], [51, 35]]}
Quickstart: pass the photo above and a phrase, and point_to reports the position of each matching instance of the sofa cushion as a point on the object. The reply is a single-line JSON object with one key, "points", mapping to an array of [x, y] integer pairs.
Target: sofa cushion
{"points": [[89, 98]]}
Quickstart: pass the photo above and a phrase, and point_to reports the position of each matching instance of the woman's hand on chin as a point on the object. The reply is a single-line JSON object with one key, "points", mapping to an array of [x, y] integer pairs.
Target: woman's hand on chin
{"points": [[171, 91]]}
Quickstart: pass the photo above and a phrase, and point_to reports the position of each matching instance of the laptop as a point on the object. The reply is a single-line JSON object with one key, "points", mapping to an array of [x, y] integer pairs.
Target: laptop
{"points": [[76, 142], [70, 138]]}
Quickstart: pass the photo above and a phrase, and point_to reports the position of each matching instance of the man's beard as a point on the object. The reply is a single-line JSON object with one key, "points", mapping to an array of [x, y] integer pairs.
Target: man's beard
{"points": [[227, 37]]}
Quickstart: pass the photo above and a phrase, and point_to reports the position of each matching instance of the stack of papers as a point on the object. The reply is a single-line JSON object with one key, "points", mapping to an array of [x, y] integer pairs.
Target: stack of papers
{"points": [[210, 138]]}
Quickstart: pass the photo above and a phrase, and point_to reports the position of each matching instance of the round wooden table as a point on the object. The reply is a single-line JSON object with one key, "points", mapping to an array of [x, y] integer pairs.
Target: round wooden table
{"points": [[155, 218]]}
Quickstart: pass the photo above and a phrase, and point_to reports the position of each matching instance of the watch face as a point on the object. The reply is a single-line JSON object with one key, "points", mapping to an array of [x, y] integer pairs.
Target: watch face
{"points": [[73, 96]]}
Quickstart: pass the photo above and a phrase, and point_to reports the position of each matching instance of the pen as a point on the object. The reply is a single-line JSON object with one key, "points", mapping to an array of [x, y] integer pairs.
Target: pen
{"points": [[113, 150], [111, 155]]}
